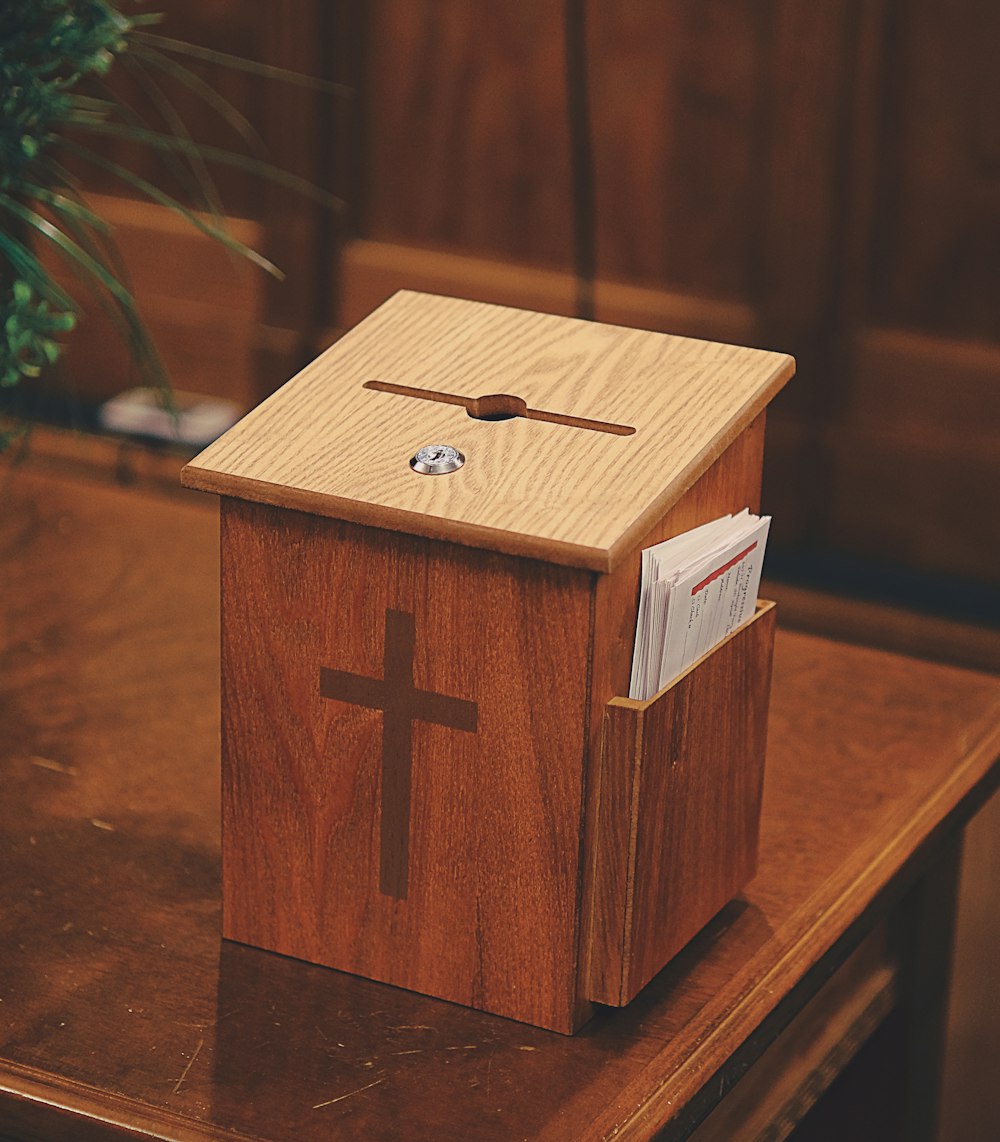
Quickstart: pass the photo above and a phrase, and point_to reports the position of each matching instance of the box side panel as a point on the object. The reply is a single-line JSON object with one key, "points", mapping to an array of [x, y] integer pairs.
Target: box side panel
{"points": [[700, 786], [730, 484], [403, 743], [615, 834]]}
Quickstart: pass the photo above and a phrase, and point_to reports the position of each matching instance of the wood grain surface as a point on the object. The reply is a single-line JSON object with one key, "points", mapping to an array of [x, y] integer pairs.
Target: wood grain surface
{"points": [[327, 444], [307, 598], [730, 484], [481, 856], [681, 781], [125, 1014]]}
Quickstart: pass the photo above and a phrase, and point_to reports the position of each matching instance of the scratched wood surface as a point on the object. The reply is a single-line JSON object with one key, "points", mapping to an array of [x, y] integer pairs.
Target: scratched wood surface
{"points": [[435, 847], [682, 774], [583, 497], [121, 1005]]}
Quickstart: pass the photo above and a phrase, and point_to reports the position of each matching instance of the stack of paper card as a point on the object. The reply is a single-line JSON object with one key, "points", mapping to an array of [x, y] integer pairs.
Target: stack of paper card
{"points": [[695, 589]]}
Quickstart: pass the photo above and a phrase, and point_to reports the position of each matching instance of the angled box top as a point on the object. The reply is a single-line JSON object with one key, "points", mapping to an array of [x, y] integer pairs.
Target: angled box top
{"points": [[603, 428]]}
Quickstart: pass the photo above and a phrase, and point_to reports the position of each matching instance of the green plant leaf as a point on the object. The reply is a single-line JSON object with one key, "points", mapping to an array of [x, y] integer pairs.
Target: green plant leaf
{"points": [[128, 323], [25, 263], [138, 339], [217, 154], [165, 199], [63, 205], [103, 237], [194, 83], [180, 165], [175, 122], [145, 19], [91, 102], [100, 232], [237, 63], [67, 247]]}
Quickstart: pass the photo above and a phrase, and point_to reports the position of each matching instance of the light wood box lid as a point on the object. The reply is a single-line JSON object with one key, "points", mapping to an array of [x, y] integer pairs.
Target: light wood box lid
{"points": [[326, 444]]}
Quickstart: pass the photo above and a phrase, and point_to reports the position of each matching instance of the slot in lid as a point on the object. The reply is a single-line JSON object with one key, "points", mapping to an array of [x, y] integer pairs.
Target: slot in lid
{"points": [[576, 435]]}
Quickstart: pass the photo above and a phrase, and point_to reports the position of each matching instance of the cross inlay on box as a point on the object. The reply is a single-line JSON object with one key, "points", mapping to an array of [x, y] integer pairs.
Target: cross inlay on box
{"points": [[401, 704]]}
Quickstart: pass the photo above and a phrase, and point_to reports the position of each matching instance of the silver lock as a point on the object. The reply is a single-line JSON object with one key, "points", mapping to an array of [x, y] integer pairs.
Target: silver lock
{"points": [[437, 460]]}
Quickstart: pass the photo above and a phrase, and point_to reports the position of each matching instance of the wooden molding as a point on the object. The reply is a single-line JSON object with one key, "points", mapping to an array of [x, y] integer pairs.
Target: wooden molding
{"points": [[201, 303], [372, 271]]}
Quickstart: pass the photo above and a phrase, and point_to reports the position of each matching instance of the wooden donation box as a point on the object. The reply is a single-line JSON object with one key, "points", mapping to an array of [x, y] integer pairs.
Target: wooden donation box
{"points": [[431, 775]]}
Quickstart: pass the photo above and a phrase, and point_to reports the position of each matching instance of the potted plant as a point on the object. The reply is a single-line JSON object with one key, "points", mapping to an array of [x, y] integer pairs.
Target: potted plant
{"points": [[56, 105]]}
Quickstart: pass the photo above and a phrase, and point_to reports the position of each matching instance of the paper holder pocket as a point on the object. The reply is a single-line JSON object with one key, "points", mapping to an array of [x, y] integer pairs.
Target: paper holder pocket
{"points": [[678, 809]]}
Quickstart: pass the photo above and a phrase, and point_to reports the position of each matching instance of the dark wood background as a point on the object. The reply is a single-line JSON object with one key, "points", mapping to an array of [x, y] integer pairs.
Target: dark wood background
{"points": [[819, 178]]}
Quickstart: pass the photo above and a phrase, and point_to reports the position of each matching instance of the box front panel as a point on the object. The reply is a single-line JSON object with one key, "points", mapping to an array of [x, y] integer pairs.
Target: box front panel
{"points": [[403, 749]]}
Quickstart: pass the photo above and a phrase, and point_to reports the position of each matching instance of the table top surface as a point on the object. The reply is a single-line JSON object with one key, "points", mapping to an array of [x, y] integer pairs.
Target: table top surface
{"points": [[119, 999]]}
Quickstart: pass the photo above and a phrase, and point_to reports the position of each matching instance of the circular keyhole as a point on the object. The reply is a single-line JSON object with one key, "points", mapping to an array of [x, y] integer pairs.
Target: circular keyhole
{"points": [[437, 460]]}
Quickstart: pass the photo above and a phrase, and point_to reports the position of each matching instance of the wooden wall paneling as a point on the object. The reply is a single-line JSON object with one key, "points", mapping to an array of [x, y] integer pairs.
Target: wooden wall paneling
{"points": [[675, 89], [923, 504], [685, 97], [938, 261], [465, 112], [920, 384], [297, 126], [371, 271], [915, 444], [634, 96], [343, 145], [468, 135], [201, 305], [919, 458], [469, 139], [226, 25], [808, 139], [817, 145]]}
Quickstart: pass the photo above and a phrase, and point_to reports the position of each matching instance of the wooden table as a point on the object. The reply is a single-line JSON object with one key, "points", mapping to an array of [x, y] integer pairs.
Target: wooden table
{"points": [[122, 1013]]}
